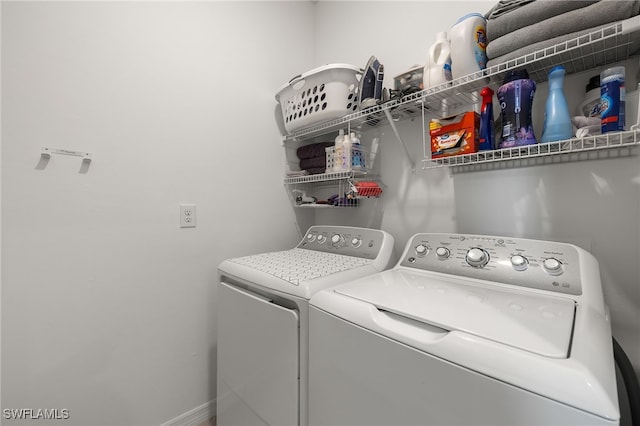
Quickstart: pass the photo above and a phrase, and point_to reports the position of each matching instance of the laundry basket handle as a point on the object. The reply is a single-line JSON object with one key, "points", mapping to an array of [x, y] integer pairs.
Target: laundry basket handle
{"points": [[297, 82]]}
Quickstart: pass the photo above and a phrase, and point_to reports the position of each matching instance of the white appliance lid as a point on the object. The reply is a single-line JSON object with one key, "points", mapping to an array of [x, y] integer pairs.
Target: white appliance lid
{"points": [[533, 322]]}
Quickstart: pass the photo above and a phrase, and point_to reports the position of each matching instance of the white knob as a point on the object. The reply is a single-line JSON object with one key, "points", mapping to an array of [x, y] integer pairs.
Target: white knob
{"points": [[322, 239], [356, 242], [519, 263], [337, 239], [477, 257], [311, 237], [552, 266], [442, 252], [421, 249]]}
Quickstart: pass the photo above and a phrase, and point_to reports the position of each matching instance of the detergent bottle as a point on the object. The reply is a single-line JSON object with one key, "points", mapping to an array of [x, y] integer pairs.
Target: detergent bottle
{"points": [[612, 99], [516, 98], [438, 67], [557, 120], [468, 45]]}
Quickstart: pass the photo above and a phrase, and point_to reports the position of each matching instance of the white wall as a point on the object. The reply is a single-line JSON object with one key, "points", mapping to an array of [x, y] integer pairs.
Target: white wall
{"points": [[595, 204], [108, 307]]}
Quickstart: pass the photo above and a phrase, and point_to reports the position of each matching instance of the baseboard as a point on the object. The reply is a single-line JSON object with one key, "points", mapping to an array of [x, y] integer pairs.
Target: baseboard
{"points": [[194, 417]]}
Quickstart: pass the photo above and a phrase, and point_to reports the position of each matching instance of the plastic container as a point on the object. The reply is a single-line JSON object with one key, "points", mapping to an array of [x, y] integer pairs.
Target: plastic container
{"points": [[590, 105], [352, 159], [438, 67], [612, 99], [557, 120], [486, 141], [322, 94], [468, 38], [516, 97]]}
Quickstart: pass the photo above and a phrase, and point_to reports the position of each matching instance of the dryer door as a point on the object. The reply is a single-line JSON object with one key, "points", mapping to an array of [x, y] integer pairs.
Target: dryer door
{"points": [[258, 353]]}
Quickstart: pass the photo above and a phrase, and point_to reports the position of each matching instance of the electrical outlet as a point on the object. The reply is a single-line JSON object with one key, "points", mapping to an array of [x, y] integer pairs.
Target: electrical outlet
{"points": [[187, 215]]}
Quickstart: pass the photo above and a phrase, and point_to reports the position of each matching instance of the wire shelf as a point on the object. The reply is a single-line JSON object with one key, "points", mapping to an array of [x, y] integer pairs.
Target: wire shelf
{"points": [[612, 43], [324, 177], [575, 149]]}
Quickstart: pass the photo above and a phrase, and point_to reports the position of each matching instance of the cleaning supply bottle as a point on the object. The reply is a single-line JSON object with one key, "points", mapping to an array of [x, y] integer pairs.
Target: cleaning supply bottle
{"points": [[438, 67], [468, 38], [346, 152], [486, 120], [557, 121], [612, 99], [516, 98], [338, 151], [357, 159]]}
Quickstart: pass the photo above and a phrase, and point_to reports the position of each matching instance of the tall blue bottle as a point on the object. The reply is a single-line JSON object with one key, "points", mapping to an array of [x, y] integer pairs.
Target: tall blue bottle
{"points": [[557, 121]]}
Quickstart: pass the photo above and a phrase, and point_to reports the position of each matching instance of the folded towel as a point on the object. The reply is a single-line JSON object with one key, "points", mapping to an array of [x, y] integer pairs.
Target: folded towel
{"points": [[313, 150], [508, 17], [312, 163], [627, 49], [600, 13], [316, 170], [505, 6]]}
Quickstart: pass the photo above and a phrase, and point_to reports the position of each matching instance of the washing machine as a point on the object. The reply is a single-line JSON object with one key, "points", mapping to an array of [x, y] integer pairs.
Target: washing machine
{"points": [[466, 330], [263, 320]]}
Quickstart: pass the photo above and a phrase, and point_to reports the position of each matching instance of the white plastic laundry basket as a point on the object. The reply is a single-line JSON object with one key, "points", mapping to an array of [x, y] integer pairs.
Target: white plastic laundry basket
{"points": [[322, 94]]}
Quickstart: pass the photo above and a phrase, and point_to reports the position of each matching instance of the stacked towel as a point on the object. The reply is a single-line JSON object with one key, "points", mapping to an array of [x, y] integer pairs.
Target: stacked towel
{"points": [[518, 27], [313, 158]]}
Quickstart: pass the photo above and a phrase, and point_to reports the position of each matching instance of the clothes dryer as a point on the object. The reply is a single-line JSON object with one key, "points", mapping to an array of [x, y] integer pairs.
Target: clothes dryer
{"points": [[263, 320], [466, 330]]}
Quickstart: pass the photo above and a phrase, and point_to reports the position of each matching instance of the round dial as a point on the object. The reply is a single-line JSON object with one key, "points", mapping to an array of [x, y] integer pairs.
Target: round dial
{"points": [[477, 257], [337, 239], [421, 249], [311, 237], [442, 252], [322, 239], [552, 265], [519, 263], [356, 242]]}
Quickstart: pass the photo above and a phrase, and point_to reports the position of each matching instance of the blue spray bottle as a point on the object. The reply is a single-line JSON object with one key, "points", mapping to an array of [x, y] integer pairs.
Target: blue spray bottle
{"points": [[486, 120]]}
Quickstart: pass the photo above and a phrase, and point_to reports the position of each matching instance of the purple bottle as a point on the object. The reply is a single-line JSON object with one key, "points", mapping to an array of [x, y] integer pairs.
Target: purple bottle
{"points": [[516, 97]]}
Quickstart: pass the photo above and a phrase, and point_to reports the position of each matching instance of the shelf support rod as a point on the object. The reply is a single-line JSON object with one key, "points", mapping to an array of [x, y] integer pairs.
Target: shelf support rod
{"points": [[395, 130]]}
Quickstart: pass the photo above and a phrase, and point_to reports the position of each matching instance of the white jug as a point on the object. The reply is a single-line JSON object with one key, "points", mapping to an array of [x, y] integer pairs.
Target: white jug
{"points": [[438, 67], [468, 45]]}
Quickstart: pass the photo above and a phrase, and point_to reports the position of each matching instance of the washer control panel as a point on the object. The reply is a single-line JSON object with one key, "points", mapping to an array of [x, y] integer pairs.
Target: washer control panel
{"points": [[345, 240], [537, 264]]}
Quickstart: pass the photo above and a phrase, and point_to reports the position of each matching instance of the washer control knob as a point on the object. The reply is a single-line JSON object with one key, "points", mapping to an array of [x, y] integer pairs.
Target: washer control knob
{"points": [[421, 249], [322, 238], [553, 266], [311, 237], [519, 263], [442, 253], [477, 257], [337, 240], [356, 242]]}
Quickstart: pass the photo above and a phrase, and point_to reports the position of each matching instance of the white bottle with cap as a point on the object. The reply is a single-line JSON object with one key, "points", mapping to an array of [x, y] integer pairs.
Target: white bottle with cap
{"points": [[438, 67], [337, 152], [468, 45]]}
